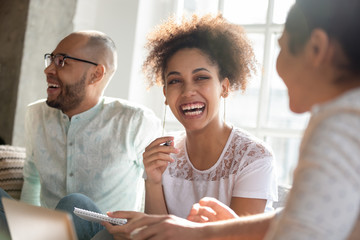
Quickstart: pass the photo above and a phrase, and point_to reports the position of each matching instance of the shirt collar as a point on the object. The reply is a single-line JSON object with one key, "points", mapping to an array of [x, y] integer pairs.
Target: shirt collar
{"points": [[89, 114]]}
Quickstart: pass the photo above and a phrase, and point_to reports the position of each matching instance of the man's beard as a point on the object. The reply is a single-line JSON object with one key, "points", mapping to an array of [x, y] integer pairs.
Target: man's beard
{"points": [[70, 97]]}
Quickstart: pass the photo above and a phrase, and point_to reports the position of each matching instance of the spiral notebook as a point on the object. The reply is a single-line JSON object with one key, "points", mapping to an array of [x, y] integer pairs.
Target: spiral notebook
{"points": [[28, 222]]}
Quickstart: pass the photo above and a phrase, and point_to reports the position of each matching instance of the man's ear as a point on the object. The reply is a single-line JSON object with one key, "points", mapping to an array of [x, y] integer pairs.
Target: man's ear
{"points": [[98, 73], [319, 49]]}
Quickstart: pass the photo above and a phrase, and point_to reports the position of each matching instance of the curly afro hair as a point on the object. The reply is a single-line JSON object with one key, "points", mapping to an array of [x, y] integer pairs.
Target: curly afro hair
{"points": [[224, 43]]}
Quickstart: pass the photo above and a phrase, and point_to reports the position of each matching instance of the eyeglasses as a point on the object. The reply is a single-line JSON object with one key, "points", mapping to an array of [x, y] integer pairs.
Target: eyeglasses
{"points": [[59, 59]]}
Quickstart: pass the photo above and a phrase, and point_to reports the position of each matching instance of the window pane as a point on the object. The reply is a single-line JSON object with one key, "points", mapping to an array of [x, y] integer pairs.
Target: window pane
{"points": [[246, 12], [280, 115], [286, 151], [200, 6], [241, 108], [281, 8]]}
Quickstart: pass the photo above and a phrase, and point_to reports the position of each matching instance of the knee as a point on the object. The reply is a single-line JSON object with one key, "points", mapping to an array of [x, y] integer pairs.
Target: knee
{"points": [[73, 200], [75, 197]]}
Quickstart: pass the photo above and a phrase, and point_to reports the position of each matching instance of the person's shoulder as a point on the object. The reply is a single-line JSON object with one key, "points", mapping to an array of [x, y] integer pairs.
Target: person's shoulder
{"points": [[343, 111], [39, 111], [119, 103], [39, 105], [244, 136], [126, 107], [245, 140], [348, 102]]}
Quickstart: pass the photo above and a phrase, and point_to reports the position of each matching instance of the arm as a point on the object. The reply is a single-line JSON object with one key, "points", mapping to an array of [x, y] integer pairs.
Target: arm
{"points": [[255, 183], [247, 206], [211, 209], [255, 180], [250, 227], [31, 188], [148, 128], [253, 227], [175, 228], [156, 158], [154, 199]]}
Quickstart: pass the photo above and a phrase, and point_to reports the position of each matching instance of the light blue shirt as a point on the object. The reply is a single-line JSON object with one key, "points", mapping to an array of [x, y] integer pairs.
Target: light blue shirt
{"points": [[97, 153]]}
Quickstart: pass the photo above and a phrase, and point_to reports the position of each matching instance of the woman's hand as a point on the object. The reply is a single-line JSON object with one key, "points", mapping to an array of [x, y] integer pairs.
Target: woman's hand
{"points": [[156, 158], [141, 226], [122, 232], [210, 210]]}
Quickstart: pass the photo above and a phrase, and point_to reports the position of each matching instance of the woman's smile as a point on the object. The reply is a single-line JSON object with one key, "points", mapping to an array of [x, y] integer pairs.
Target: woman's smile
{"points": [[194, 109]]}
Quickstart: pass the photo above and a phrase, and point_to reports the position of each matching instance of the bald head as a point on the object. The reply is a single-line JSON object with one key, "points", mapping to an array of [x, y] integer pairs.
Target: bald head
{"points": [[100, 48]]}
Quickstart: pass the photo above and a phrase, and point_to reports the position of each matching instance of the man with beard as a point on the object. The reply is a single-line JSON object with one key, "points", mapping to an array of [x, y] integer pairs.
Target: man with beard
{"points": [[79, 141]]}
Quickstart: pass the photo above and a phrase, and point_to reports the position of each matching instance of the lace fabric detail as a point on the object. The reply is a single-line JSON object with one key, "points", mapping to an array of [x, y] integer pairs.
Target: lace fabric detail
{"points": [[240, 151]]}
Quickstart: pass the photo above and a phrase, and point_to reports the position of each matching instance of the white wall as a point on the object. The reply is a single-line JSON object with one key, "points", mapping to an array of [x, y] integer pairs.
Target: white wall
{"points": [[47, 23], [116, 18]]}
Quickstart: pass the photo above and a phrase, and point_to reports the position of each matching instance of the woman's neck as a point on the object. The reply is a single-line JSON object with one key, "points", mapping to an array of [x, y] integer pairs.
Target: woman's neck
{"points": [[205, 146]]}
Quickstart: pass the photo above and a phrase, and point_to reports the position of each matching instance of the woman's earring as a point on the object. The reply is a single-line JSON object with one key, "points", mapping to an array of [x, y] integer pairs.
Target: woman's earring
{"points": [[225, 94]]}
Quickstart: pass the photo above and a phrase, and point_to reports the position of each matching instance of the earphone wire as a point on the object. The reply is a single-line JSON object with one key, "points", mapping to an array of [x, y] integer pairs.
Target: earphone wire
{"points": [[165, 107], [224, 110]]}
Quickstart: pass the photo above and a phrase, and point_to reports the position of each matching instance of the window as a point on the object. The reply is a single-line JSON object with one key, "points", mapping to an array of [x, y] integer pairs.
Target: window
{"points": [[263, 109]]}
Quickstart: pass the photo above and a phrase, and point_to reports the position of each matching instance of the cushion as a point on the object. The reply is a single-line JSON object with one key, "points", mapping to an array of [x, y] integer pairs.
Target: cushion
{"points": [[11, 169]]}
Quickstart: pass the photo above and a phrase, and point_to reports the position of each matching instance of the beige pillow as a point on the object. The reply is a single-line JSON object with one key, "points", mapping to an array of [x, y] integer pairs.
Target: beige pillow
{"points": [[11, 169]]}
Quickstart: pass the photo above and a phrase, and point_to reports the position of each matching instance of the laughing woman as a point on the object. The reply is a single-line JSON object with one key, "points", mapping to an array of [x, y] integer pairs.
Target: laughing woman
{"points": [[198, 62]]}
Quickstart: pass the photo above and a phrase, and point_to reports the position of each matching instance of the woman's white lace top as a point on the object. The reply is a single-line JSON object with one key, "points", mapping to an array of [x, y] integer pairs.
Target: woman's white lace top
{"points": [[244, 169]]}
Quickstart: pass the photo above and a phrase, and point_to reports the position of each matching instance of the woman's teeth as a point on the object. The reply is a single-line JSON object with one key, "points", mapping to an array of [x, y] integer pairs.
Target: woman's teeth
{"points": [[193, 109]]}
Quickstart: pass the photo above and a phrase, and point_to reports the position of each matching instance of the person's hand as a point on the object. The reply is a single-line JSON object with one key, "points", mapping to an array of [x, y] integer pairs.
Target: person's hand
{"points": [[122, 232], [210, 210], [156, 158], [141, 226]]}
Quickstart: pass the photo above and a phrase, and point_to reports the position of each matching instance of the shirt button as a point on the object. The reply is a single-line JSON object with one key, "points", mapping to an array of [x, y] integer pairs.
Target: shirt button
{"points": [[71, 174], [70, 144]]}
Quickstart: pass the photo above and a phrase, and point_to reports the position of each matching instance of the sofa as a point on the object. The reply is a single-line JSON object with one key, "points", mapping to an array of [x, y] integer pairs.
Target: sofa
{"points": [[11, 169]]}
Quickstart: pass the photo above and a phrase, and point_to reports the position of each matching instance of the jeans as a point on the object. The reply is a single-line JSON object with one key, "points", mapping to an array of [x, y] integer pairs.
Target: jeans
{"points": [[85, 230], [4, 229]]}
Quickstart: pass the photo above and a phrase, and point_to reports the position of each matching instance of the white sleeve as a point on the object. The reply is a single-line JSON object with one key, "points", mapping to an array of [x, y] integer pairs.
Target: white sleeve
{"points": [[148, 128], [31, 188], [257, 179]]}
